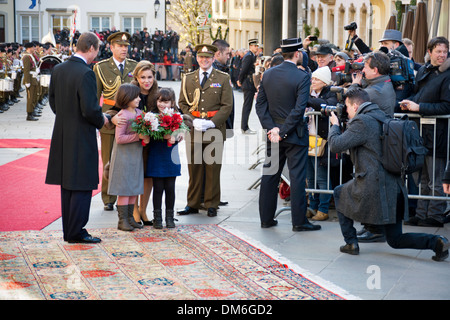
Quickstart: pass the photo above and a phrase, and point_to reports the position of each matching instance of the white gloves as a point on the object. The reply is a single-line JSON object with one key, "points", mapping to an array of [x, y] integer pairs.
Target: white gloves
{"points": [[203, 124], [27, 85]]}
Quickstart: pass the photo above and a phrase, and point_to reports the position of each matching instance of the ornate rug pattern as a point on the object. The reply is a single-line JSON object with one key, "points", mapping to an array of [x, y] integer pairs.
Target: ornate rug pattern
{"points": [[190, 262]]}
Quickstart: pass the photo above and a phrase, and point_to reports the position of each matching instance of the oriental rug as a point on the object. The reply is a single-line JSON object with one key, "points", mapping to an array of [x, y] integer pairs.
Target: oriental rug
{"points": [[27, 203], [190, 262]]}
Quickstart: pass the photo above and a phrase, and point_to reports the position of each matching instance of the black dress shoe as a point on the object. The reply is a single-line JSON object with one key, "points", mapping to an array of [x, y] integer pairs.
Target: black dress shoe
{"points": [[147, 223], [368, 236], [441, 249], [430, 222], [350, 248], [223, 203], [108, 207], [413, 221], [30, 117], [212, 212], [306, 227], [269, 224], [87, 239], [187, 210]]}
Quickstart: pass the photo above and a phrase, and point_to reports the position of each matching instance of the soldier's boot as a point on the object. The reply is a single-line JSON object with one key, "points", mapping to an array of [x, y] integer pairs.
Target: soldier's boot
{"points": [[31, 117], [133, 222], [124, 223], [157, 219], [170, 223]]}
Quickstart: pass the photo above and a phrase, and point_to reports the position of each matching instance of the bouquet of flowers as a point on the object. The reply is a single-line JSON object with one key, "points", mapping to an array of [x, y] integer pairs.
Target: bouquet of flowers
{"points": [[156, 126]]}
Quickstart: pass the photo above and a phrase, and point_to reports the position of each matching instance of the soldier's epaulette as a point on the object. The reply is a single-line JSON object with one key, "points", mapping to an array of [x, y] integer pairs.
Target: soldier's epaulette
{"points": [[131, 60], [102, 61], [192, 72], [222, 72]]}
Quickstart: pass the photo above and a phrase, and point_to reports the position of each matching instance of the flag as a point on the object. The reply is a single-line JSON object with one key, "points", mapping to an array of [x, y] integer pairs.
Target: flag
{"points": [[33, 4]]}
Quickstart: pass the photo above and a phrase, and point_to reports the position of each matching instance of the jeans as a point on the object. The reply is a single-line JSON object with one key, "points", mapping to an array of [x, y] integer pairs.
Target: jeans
{"points": [[393, 232], [318, 201]]}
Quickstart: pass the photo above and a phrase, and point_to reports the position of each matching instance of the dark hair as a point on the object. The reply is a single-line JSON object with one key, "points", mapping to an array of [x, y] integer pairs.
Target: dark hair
{"points": [[433, 43], [276, 60], [127, 92], [166, 94], [221, 45], [378, 60], [86, 41], [357, 95]]}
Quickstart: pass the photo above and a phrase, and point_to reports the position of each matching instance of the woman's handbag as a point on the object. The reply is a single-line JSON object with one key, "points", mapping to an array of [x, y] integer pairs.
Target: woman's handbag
{"points": [[316, 146]]}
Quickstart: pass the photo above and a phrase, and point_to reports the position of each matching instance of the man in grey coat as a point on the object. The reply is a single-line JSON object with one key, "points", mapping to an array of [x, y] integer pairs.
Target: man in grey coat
{"points": [[374, 196], [377, 81]]}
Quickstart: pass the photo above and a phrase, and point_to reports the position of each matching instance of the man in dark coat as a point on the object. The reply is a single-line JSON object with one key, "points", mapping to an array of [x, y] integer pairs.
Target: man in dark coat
{"points": [[280, 105], [374, 196], [246, 83], [432, 98], [73, 160]]}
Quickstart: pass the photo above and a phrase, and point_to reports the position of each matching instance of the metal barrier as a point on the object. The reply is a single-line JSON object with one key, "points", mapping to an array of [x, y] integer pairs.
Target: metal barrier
{"points": [[423, 120]]}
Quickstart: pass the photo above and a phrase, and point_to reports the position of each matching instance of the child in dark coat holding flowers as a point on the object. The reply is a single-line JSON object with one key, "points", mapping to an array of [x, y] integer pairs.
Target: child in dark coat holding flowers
{"points": [[163, 163]]}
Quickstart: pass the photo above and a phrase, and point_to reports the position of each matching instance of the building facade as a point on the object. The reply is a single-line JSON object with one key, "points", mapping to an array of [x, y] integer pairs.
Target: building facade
{"points": [[130, 15]]}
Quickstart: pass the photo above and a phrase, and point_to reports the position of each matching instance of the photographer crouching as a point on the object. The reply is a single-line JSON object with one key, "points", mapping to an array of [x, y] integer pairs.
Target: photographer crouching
{"points": [[374, 196]]}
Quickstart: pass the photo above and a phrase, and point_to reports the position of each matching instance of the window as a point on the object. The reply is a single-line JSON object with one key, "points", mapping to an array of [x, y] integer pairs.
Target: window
{"points": [[131, 24], [100, 23], [29, 28], [61, 22], [256, 4]]}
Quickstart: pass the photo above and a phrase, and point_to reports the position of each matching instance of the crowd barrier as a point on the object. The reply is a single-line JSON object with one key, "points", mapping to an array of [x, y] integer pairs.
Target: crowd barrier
{"points": [[423, 120]]}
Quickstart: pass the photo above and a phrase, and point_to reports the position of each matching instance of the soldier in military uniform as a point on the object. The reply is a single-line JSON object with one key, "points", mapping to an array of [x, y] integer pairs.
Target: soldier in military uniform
{"points": [[207, 96], [30, 80], [110, 74]]}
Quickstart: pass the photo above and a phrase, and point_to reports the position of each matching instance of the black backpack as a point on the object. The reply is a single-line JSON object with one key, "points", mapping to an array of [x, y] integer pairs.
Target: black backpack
{"points": [[402, 146]]}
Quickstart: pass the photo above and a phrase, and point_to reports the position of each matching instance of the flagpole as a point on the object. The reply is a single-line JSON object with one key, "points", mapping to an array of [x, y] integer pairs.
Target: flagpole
{"points": [[40, 27]]}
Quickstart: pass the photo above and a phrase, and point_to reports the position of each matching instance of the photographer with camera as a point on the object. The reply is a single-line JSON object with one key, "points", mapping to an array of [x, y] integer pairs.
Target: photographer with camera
{"points": [[375, 80], [391, 43], [374, 196]]}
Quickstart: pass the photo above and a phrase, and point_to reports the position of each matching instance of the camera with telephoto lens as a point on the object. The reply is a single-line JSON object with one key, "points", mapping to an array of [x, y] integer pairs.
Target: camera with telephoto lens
{"points": [[346, 75], [339, 109]]}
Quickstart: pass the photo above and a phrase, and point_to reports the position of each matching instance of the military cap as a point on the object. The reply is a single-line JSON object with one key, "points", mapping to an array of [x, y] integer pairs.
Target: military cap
{"points": [[291, 45], [253, 42], [205, 50], [120, 38]]}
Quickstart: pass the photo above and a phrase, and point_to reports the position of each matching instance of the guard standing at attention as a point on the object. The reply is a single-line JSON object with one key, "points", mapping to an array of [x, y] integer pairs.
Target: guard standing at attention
{"points": [[30, 80], [247, 85], [110, 74], [280, 105], [206, 94]]}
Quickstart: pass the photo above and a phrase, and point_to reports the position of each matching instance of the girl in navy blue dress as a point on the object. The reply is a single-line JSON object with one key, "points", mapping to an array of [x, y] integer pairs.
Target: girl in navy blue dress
{"points": [[163, 165]]}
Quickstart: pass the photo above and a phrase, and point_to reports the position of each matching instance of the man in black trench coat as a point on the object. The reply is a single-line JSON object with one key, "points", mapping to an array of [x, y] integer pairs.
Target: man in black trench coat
{"points": [[73, 159]]}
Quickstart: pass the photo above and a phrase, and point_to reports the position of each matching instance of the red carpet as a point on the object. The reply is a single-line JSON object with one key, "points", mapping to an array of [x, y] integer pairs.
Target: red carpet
{"points": [[27, 203]]}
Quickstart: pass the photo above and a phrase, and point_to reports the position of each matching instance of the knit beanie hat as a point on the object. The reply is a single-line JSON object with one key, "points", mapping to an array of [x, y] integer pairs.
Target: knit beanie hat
{"points": [[323, 74]]}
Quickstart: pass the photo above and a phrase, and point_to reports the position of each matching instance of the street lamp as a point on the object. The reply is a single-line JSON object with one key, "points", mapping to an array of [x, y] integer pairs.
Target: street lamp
{"points": [[167, 5], [157, 5]]}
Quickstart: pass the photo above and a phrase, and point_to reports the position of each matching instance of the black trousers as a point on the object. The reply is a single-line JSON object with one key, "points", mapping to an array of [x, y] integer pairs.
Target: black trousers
{"points": [[276, 157], [249, 95], [394, 232], [75, 207]]}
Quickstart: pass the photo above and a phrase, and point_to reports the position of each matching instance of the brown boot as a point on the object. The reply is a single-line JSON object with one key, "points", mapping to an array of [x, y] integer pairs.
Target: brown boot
{"points": [[133, 222], [320, 216], [310, 212], [124, 223]]}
